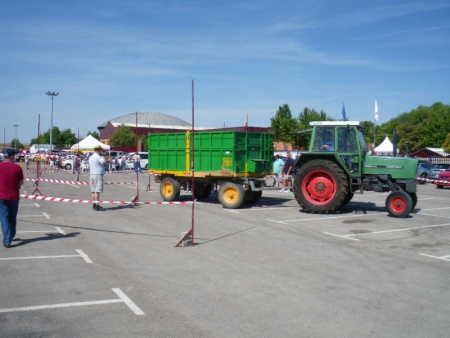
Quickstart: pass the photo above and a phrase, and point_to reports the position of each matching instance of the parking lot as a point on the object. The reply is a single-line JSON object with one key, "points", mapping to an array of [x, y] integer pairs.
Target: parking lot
{"points": [[267, 270]]}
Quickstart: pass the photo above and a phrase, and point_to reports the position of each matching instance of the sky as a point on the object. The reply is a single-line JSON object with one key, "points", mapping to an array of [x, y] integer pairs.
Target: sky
{"points": [[224, 60]]}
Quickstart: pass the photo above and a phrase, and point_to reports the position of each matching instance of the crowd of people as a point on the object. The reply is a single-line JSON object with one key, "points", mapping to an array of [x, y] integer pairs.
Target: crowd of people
{"points": [[78, 161]]}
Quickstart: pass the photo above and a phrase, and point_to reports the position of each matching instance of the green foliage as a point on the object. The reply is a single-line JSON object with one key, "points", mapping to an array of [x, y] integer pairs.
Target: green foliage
{"points": [[16, 143], [94, 134], [283, 125], [60, 139], [422, 127], [446, 144], [123, 136]]}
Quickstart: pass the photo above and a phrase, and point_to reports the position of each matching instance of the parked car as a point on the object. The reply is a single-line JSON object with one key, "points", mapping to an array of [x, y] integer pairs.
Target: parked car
{"points": [[437, 168], [443, 179], [423, 170], [144, 160], [115, 153]]}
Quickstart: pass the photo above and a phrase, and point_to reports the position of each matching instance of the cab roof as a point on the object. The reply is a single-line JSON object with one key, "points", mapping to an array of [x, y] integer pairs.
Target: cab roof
{"points": [[335, 123]]}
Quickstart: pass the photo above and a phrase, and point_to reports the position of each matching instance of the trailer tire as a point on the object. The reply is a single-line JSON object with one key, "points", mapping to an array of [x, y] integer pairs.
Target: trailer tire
{"points": [[202, 190], [251, 197], [321, 186], [68, 166], [169, 189], [231, 195], [399, 204]]}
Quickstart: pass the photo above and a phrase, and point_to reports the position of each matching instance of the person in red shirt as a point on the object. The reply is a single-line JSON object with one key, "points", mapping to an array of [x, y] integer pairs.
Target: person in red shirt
{"points": [[11, 179]]}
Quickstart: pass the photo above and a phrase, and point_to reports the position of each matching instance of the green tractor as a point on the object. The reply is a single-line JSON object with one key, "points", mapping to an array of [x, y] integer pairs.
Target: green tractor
{"points": [[337, 166]]}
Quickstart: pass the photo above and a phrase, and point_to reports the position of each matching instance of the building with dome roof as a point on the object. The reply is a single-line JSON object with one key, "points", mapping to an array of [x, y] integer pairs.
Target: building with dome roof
{"points": [[144, 123]]}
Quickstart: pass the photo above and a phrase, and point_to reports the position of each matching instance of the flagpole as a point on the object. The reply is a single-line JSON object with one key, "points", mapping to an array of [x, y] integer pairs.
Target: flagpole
{"points": [[375, 125]]}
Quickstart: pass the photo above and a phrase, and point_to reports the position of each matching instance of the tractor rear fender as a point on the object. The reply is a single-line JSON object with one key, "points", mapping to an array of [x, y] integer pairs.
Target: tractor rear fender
{"points": [[325, 156]]}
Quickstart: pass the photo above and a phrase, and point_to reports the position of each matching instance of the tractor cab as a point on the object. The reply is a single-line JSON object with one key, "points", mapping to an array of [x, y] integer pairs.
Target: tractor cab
{"points": [[344, 139]]}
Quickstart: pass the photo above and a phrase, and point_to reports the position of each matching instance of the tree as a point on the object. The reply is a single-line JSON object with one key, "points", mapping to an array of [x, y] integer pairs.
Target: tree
{"points": [[283, 125], [422, 127], [67, 139], [94, 134], [15, 143], [123, 136], [446, 144]]}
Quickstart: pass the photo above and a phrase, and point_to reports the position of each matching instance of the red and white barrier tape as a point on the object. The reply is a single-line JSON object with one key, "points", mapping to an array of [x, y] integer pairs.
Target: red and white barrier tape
{"points": [[72, 200], [429, 180], [72, 182]]}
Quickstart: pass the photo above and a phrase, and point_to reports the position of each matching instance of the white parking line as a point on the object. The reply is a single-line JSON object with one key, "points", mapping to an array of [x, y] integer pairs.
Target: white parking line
{"points": [[84, 256], [81, 254], [444, 258], [133, 307], [385, 231], [122, 299], [58, 229]]}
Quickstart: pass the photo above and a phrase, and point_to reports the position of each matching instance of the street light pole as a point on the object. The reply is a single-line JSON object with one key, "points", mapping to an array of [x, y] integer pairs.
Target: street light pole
{"points": [[15, 136], [52, 94]]}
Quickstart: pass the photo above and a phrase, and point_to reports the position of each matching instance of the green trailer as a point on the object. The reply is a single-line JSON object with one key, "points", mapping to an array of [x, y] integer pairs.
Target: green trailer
{"points": [[236, 161]]}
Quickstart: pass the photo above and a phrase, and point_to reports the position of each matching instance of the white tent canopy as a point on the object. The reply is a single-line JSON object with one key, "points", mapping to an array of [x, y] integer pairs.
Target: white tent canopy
{"points": [[385, 148], [88, 144]]}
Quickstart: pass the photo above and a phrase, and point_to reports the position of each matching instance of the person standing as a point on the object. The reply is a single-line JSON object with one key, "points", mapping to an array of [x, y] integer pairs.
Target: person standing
{"points": [[137, 163], [277, 166], [97, 171], [287, 172], [27, 160], [11, 179]]}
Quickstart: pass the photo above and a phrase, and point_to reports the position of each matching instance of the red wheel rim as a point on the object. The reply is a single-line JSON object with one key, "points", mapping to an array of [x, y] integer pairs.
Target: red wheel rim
{"points": [[319, 187], [398, 205]]}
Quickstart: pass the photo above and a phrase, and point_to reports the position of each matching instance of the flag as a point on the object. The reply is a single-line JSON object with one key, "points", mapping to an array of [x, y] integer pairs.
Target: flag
{"points": [[376, 111], [246, 124], [344, 116]]}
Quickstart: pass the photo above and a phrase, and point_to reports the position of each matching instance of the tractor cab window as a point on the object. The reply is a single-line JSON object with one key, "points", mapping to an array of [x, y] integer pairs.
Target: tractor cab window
{"points": [[347, 140], [324, 139]]}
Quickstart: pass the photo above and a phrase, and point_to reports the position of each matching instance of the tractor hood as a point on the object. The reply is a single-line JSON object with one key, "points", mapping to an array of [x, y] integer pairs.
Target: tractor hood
{"points": [[396, 167]]}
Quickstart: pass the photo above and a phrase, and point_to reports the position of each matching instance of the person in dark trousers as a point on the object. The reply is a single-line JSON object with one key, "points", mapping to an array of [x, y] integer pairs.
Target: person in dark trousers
{"points": [[11, 179], [287, 172]]}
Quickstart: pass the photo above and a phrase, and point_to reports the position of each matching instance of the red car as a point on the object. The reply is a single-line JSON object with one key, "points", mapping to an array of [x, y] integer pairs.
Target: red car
{"points": [[443, 179]]}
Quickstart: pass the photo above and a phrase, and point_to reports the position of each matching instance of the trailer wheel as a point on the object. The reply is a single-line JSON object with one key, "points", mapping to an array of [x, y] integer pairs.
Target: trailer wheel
{"points": [[169, 189], [321, 186], [251, 197], [231, 195], [399, 204], [68, 166], [202, 190]]}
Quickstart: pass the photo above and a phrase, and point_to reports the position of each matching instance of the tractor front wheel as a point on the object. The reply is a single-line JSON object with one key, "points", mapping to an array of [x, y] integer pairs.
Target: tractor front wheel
{"points": [[399, 204]]}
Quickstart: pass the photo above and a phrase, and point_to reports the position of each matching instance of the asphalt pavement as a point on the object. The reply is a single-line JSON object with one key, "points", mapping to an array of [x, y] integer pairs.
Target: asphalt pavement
{"points": [[267, 270]]}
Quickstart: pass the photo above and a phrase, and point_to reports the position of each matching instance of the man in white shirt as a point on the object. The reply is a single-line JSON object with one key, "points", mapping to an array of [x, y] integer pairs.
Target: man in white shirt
{"points": [[97, 170]]}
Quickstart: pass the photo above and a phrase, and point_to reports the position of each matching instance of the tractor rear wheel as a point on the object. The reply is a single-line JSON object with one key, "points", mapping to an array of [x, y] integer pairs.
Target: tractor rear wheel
{"points": [[321, 186], [169, 189], [231, 195], [399, 204]]}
